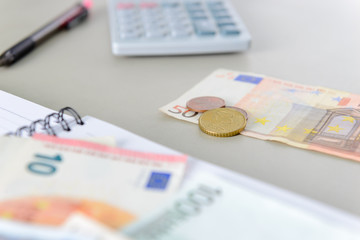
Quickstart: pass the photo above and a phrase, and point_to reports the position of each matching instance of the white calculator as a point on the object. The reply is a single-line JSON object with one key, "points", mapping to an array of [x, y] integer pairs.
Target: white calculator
{"points": [[175, 27]]}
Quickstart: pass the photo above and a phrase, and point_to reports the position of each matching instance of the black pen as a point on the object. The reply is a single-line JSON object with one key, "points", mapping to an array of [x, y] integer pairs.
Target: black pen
{"points": [[67, 20]]}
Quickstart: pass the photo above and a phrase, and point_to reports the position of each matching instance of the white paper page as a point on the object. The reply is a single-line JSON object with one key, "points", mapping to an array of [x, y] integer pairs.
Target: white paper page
{"points": [[97, 128], [16, 112]]}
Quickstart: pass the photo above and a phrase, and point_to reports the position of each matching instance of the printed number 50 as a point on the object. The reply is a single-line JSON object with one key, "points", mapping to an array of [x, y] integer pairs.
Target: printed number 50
{"points": [[183, 111]]}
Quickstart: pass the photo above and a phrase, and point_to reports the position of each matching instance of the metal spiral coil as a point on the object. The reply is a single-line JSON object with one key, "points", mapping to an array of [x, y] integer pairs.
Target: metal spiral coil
{"points": [[45, 124]]}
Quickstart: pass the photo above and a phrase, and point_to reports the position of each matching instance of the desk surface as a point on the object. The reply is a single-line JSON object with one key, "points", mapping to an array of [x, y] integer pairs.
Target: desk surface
{"points": [[309, 42]]}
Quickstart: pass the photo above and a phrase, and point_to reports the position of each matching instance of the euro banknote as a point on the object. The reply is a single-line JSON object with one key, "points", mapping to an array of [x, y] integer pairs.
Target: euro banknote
{"points": [[44, 181], [211, 208], [76, 227], [10, 230], [309, 117], [86, 227]]}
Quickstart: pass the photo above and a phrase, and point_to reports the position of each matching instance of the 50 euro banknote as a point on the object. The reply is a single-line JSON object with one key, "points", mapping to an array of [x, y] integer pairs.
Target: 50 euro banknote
{"points": [[304, 116]]}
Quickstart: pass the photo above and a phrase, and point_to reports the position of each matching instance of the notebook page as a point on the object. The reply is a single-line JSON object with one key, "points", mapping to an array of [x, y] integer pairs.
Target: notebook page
{"points": [[94, 127], [16, 112]]}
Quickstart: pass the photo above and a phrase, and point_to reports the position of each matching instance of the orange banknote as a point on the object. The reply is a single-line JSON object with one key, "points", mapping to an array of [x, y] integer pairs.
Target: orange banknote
{"points": [[303, 116]]}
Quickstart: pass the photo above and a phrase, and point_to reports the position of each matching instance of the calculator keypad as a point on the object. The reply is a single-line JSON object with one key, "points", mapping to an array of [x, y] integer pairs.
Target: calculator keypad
{"points": [[174, 19]]}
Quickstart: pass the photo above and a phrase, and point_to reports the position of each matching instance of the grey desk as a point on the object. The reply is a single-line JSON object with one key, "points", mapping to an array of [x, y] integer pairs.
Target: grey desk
{"points": [[309, 42]]}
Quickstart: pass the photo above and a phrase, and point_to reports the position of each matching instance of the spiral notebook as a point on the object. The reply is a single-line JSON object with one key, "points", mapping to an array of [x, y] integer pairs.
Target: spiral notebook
{"points": [[23, 118]]}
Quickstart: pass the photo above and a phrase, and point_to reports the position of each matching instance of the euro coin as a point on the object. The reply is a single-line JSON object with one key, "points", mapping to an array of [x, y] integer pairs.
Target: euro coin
{"points": [[203, 104], [222, 122], [239, 110]]}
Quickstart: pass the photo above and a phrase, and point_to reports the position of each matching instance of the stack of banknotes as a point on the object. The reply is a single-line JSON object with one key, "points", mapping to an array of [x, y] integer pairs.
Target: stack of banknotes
{"points": [[53, 186], [67, 189]]}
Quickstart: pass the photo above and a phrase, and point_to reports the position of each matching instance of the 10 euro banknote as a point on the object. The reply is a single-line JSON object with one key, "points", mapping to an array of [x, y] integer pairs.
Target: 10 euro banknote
{"points": [[45, 181], [309, 117]]}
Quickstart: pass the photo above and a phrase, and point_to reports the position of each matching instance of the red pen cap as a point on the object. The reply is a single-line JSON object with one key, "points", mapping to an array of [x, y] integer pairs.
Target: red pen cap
{"points": [[87, 3]]}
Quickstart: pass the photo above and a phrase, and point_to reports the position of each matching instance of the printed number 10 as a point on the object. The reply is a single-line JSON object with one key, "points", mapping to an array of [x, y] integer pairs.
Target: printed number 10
{"points": [[46, 167]]}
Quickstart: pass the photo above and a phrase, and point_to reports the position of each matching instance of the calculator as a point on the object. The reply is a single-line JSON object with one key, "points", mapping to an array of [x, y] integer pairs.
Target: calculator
{"points": [[175, 27]]}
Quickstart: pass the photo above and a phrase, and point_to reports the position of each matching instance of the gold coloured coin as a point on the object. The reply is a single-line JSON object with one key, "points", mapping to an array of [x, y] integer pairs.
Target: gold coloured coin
{"points": [[222, 122]]}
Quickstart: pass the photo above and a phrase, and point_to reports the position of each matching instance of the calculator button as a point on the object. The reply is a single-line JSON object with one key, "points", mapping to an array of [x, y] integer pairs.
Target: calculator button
{"points": [[229, 31], [181, 33], [193, 3], [217, 9], [148, 5], [123, 6], [197, 11], [215, 3], [153, 21], [151, 12], [224, 19], [194, 8], [198, 15], [204, 28], [159, 22], [129, 26], [176, 15], [156, 34], [130, 35], [127, 16], [178, 20], [221, 14], [177, 25], [171, 5], [225, 22], [127, 12], [150, 29], [152, 18], [173, 11], [205, 32], [127, 19]]}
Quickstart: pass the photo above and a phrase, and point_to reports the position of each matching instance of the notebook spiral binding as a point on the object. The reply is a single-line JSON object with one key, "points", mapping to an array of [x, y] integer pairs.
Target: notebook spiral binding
{"points": [[44, 124]]}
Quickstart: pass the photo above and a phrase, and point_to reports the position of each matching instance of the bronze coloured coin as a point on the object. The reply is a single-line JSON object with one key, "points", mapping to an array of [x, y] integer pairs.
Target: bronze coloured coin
{"points": [[222, 122], [239, 110], [203, 104]]}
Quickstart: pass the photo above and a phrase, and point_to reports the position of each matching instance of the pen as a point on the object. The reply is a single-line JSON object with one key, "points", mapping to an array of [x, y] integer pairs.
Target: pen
{"points": [[67, 20]]}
